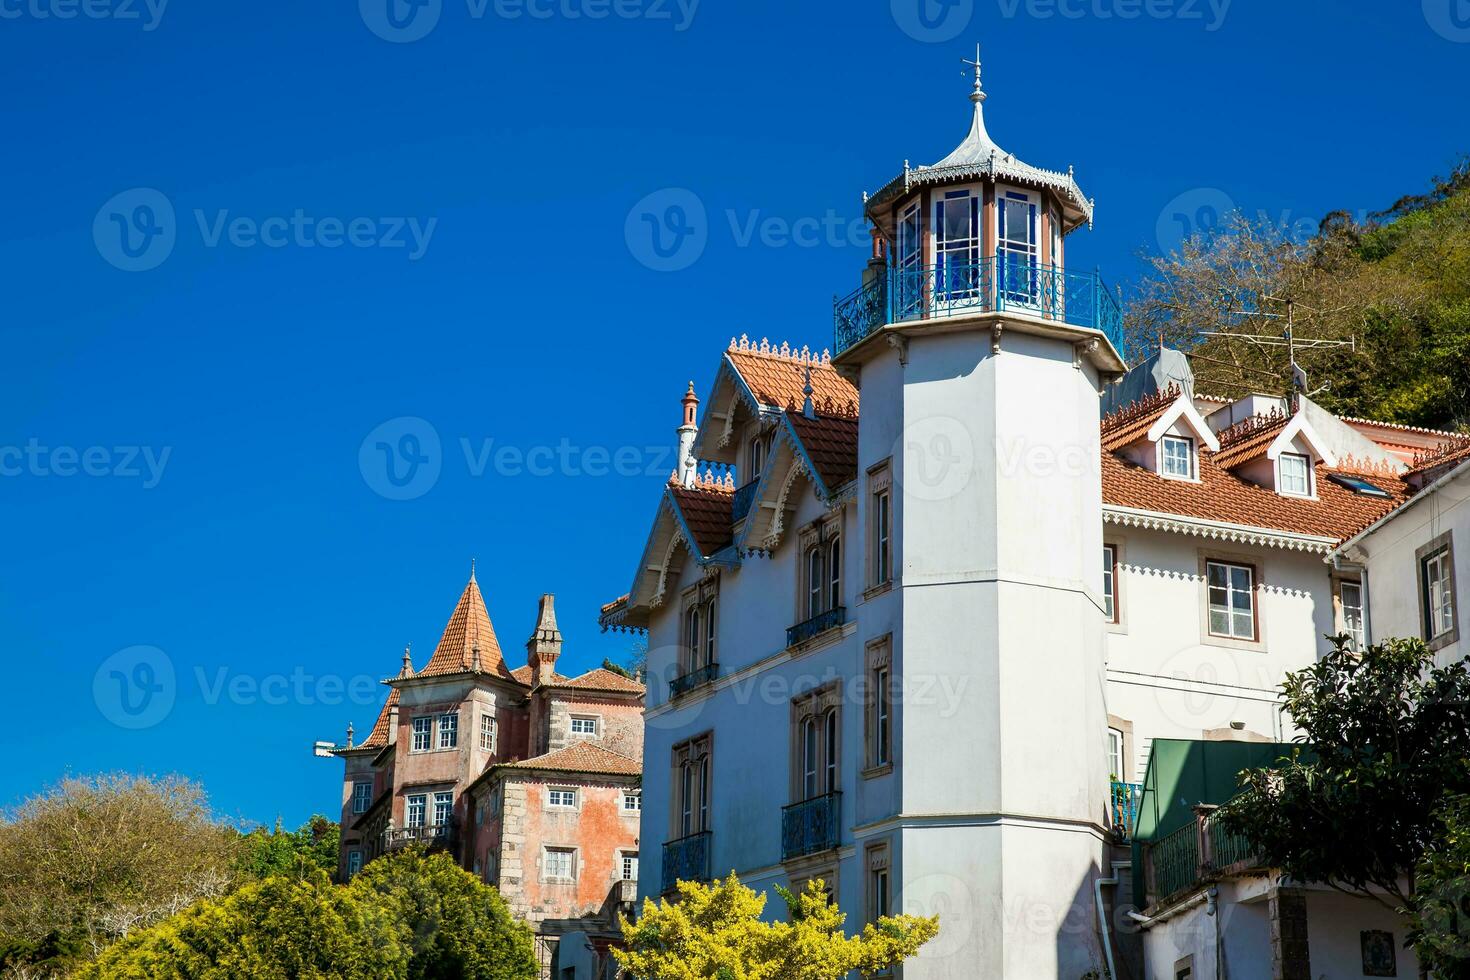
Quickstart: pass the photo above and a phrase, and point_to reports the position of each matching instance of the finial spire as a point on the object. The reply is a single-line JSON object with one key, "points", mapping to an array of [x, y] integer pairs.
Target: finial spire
{"points": [[472, 569], [808, 408], [349, 734], [977, 96], [407, 670]]}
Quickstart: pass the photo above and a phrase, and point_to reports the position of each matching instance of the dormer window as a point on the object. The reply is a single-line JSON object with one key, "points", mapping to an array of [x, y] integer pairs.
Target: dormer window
{"points": [[1176, 457], [1294, 475]]}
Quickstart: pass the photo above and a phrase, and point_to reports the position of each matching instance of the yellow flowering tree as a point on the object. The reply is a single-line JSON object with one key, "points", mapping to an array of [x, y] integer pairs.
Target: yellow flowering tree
{"points": [[715, 932]]}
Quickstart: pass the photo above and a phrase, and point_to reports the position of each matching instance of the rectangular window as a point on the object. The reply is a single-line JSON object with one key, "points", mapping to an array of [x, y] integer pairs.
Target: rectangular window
{"points": [[1296, 472], [362, 797], [562, 798], [1232, 600], [691, 762], [1110, 583], [443, 808], [1177, 457], [1351, 596], [354, 862], [629, 862], [632, 802], [879, 703], [423, 731], [1439, 594], [448, 731], [584, 726], [417, 810], [561, 864], [1115, 755], [879, 887], [487, 733]]}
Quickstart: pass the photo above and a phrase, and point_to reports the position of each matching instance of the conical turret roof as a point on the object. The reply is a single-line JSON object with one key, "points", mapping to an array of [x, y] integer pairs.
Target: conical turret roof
{"points": [[468, 627]]}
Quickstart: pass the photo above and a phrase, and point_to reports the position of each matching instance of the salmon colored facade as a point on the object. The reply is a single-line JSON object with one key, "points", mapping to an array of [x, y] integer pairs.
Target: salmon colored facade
{"points": [[530, 778]]}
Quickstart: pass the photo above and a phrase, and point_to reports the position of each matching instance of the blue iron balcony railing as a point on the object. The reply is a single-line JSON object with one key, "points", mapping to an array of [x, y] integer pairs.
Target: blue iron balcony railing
{"points": [[686, 859], [1124, 799], [811, 826], [743, 499], [820, 623], [991, 285], [693, 679]]}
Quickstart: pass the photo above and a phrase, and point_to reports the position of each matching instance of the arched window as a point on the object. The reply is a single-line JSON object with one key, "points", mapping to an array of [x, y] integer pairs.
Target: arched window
{"points": [[757, 458], [686, 787], [830, 724], [703, 793], [809, 758], [814, 581], [834, 573], [694, 637], [709, 634]]}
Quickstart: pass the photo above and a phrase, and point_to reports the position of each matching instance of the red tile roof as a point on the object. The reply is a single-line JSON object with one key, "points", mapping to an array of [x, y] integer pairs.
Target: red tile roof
{"points": [[378, 737], [586, 757], [831, 441], [707, 509], [601, 679], [777, 377], [1131, 422], [468, 626], [1455, 451], [522, 675], [1249, 438]]}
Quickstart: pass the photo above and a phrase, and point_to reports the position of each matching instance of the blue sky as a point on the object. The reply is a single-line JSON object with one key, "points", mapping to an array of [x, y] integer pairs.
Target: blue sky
{"points": [[377, 239]]}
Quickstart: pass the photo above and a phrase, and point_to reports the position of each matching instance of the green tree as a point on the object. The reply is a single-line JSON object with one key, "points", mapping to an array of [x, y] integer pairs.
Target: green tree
{"points": [[312, 846], [282, 928], [1389, 738], [91, 859], [457, 927], [1441, 933], [715, 932]]}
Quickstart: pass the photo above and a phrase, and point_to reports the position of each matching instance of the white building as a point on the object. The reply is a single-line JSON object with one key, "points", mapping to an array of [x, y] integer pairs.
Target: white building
{"points": [[920, 647]]}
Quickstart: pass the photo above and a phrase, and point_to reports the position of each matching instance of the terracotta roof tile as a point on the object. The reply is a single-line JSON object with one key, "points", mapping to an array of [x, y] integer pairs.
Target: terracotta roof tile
{"points": [[1131, 422], [522, 675], [1455, 451], [468, 625], [601, 679], [777, 377], [585, 757], [831, 441], [1249, 438], [707, 510], [378, 737]]}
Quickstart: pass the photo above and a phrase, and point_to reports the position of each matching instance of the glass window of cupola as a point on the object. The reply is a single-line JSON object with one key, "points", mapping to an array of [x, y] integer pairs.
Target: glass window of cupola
{"points": [[1018, 244], [957, 243]]}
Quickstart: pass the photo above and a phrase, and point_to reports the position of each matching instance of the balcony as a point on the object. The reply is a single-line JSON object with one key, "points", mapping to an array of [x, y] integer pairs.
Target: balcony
{"points": [[818, 624], [811, 826], [1198, 852], [1123, 808], [686, 859], [1013, 284], [695, 678], [432, 835], [744, 497]]}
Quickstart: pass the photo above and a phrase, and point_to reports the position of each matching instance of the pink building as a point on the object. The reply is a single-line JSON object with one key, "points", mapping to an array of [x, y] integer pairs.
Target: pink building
{"points": [[530, 778]]}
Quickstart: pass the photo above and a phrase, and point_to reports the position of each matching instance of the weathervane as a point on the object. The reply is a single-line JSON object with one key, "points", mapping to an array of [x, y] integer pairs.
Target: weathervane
{"points": [[977, 95]]}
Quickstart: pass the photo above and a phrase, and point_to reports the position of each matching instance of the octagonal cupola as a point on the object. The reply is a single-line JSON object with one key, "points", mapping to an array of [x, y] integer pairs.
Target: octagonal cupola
{"points": [[978, 232]]}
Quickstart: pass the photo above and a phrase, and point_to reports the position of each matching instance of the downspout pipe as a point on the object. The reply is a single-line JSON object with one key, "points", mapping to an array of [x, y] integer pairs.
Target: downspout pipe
{"points": [[1102, 915]]}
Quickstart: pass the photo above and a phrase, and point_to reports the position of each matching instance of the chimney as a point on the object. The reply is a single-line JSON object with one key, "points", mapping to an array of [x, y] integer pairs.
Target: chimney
{"points": [[544, 646], [393, 725], [687, 432]]}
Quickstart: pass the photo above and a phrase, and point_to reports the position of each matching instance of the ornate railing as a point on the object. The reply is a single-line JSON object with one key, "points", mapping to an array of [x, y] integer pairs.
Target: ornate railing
{"points": [[1123, 804], [811, 826], [743, 499], [686, 859], [952, 288], [693, 679], [820, 623], [440, 834]]}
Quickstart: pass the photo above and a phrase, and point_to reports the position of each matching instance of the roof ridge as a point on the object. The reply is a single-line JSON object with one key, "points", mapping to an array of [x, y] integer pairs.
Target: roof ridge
{"points": [[1250, 426], [1450, 450], [785, 352], [1136, 410]]}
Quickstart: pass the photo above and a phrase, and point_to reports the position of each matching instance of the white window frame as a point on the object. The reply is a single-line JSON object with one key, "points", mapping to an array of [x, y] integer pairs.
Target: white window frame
{"points": [[1352, 624], [584, 720], [632, 801], [1439, 594], [569, 853], [1283, 476], [1191, 466], [1117, 759], [628, 865], [1110, 582], [487, 733], [562, 798], [1231, 590], [448, 731], [362, 801], [423, 734], [416, 810], [443, 807]]}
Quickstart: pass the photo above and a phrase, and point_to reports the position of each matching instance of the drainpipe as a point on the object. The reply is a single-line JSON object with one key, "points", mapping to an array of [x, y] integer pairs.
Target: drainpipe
{"points": [[1102, 917]]}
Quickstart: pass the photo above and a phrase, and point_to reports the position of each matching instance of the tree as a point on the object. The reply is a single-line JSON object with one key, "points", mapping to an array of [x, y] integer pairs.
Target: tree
{"points": [[455, 925], [1441, 925], [312, 846], [92, 859], [715, 932], [278, 929], [1389, 736]]}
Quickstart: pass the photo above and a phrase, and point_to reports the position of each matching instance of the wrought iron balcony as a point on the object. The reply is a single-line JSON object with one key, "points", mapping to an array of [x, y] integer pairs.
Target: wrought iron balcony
{"points": [[434, 835], [811, 826], [686, 859], [946, 289], [743, 499], [818, 624], [693, 679], [1192, 855], [1123, 800]]}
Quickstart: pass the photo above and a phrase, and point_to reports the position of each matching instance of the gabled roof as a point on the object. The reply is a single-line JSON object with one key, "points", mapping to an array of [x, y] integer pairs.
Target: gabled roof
{"points": [[705, 510], [468, 627], [522, 675], [1249, 438], [581, 757], [776, 376], [830, 443], [600, 679], [1131, 422], [378, 737]]}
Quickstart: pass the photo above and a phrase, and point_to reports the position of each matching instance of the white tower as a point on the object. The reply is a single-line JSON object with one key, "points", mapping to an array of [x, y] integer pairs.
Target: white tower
{"points": [[980, 360], [686, 473]]}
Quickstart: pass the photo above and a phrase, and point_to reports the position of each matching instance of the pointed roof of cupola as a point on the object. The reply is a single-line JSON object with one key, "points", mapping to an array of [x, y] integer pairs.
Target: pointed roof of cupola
{"points": [[468, 628], [978, 156]]}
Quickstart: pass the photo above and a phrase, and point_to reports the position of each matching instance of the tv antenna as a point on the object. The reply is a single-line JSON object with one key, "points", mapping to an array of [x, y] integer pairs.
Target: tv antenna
{"points": [[1287, 339]]}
